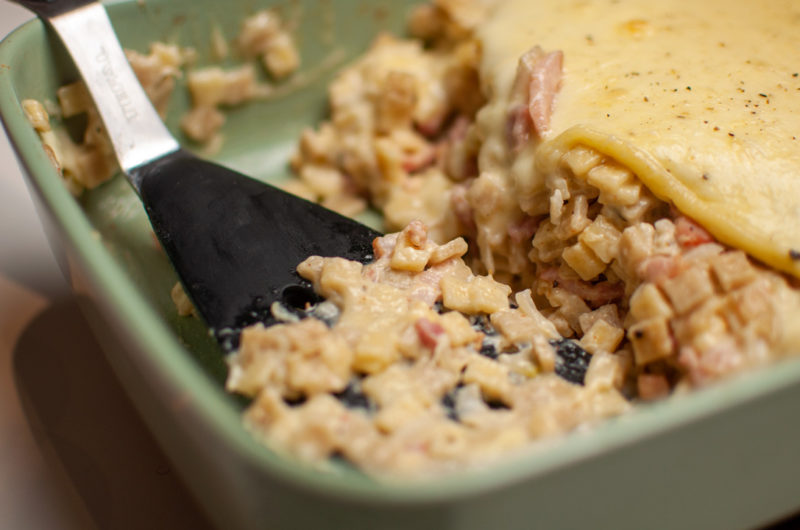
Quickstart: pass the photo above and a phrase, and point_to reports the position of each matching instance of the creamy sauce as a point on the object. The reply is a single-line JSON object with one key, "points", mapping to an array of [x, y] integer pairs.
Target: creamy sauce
{"points": [[700, 99]]}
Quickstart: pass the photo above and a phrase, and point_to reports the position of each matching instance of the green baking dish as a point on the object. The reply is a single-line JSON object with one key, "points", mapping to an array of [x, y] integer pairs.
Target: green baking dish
{"points": [[724, 457]]}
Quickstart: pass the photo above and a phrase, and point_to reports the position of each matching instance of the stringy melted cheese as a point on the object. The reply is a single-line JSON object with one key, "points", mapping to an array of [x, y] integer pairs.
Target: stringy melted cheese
{"points": [[700, 99]]}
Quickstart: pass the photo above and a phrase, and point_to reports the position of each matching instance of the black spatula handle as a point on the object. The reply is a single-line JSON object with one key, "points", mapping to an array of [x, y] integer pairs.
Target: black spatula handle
{"points": [[51, 8]]}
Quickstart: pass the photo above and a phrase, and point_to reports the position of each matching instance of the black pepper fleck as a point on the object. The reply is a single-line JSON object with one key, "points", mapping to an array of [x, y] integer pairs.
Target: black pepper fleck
{"points": [[794, 254]]}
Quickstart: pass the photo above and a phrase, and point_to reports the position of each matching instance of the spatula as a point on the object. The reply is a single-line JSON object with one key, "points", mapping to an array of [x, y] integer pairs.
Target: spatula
{"points": [[234, 241]]}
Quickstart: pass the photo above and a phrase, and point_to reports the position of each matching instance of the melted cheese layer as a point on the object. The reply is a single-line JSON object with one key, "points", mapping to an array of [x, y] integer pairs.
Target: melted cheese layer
{"points": [[701, 99]]}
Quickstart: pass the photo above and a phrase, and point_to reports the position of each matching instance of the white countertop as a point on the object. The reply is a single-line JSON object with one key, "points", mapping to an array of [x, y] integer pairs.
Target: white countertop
{"points": [[73, 452]]}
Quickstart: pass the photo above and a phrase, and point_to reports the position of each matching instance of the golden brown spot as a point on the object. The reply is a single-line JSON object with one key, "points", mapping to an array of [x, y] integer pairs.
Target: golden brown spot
{"points": [[636, 28]]}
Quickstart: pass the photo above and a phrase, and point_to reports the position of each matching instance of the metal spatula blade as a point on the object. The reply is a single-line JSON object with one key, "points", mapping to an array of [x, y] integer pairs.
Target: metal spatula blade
{"points": [[234, 241]]}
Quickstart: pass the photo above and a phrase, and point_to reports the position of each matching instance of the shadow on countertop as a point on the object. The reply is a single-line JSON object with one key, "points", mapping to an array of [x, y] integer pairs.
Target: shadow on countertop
{"points": [[84, 423]]}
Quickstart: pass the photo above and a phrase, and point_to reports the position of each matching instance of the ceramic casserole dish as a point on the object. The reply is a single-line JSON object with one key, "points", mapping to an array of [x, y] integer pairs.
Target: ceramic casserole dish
{"points": [[723, 457]]}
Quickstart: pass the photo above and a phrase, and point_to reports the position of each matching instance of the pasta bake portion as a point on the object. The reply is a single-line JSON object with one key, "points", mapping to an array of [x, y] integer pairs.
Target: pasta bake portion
{"points": [[616, 186], [590, 205], [420, 366]]}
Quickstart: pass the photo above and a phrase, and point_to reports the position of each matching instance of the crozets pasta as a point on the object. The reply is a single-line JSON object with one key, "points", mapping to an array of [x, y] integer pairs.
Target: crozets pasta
{"points": [[624, 177], [591, 205]]}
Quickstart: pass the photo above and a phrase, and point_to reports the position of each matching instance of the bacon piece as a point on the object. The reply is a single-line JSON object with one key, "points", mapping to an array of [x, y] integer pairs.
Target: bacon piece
{"points": [[544, 85], [383, 246], [426, 285], [431, 126], [519, 123], [524, 229], [416, 233], [518, 127], [690, 234], [596, 294], [550, 275], [462, 209], [657, 268], [652, 386], [538, 81], [723, 358], [420, 160], [457, 164], [429, 332], [458, 129]]}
